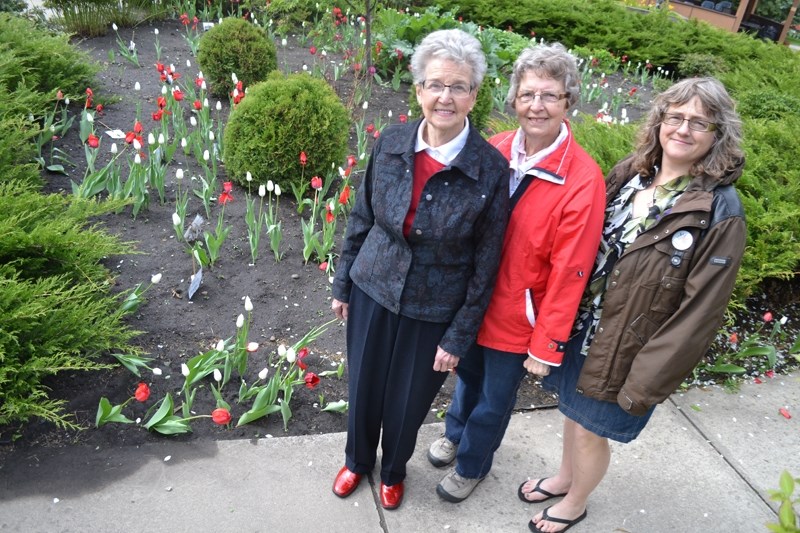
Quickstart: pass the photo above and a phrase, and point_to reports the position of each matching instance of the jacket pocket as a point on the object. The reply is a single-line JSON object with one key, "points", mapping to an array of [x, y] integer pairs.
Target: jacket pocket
{"points": [[669, 294], [530, 307]]}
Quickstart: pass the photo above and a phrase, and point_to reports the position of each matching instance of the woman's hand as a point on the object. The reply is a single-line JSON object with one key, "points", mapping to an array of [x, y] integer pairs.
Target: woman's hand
{"points": [[339, 309], [536, 367], [444, 362]]}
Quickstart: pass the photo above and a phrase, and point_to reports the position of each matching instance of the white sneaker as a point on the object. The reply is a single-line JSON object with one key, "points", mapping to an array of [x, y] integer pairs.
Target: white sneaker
{"points": [[442, 452], [455, 488]]}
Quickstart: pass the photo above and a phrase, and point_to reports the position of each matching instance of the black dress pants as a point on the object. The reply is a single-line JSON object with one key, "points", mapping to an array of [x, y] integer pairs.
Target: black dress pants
{"points": [[391, 384]]}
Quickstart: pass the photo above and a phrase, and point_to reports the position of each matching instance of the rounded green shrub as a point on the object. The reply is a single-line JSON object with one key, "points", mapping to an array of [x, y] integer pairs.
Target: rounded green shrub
{"points": [[235, 46], [481, 111], [280, 118], [768, 104], [698, 65]]}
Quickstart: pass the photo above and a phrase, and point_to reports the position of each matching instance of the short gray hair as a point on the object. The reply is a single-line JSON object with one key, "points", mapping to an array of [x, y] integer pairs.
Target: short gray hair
{"points": [[547, 61], [453, 45], [726, 152]]}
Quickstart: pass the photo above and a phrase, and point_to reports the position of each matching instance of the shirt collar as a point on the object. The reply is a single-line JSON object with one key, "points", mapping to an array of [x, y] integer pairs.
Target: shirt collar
{"points": [[446, 153], [520, 163]]}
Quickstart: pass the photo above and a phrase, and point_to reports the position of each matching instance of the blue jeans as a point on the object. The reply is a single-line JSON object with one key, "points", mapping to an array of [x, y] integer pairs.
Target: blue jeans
{"points": [[485, 395]]}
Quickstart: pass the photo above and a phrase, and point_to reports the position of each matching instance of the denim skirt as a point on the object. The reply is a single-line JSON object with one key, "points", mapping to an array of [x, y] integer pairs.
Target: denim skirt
{"points": [[606, 419]]}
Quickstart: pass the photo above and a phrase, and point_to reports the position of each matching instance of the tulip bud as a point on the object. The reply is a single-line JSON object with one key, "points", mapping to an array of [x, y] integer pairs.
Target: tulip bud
{"points": [[179, 174], [151, 139], [270, 186], [219, 106], [365, 105], [89, 118], [137, 159], [221, 345], [262, 191], [206, 155], [188, 64], [161, 138], [193, 121], [291, 355], [204, 87], [184, 143], [283, 42], [114, 26], [234, 79], [263, 374], [184, 369], [155, 31], [248, 176], [205, 100], [210, 135], [217, 375], [281, 350], [277, 190], [137, 86], [155, 278], [239, 321], [248, 305], [164, 90], [137, 145], [176, 219], [114, 148]]}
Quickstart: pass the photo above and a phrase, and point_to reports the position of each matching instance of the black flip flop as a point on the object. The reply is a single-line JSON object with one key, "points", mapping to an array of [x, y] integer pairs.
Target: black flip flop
{"points": [[538, 488], [549, 518]]}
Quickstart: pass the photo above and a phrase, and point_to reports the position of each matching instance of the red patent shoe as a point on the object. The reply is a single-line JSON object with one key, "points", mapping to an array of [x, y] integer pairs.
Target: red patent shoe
{"points": [[346, 482], [391, 495]]}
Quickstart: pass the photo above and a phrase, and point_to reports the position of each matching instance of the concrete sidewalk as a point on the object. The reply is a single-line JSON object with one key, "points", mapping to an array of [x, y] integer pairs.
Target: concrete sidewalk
{"points": [[700, 469]]}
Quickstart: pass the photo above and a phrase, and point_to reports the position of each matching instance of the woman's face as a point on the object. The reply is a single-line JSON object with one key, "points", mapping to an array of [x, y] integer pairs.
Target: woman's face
{"points": [[445, 112], [540, 120], [681, 144]]}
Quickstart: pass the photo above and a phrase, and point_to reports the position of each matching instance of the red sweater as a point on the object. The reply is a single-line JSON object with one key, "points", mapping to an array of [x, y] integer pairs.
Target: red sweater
{"points": [[550, 247]]}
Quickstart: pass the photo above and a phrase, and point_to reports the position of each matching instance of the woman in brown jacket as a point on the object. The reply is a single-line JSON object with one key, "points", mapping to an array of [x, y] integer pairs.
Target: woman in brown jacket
{"points": [[672, 243]]}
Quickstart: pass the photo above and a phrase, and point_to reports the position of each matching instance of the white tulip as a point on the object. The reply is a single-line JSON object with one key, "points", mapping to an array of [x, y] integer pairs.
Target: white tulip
{"points": [[234, 79], [184, 143], [151, 139], [137, 159], [283, 42], [137, 86], [210, 135], [217, 375], [263, 374], [131, 46], [204, 87], [248, 305], [270, 186], [219, 106], [221, 345], [89, 118], [193, 121], [206, 155], [784, 320], [114, 148], [277, 190], [184, 369], [179, 174], [176, 219], [114, 26], [262, 191], [155, 31], [281, 350], [365, 105], [188, 64], [389, 114], [205, 100], [248, 176], [156, 278], [291, 356], [239, 321], [164, 90]]}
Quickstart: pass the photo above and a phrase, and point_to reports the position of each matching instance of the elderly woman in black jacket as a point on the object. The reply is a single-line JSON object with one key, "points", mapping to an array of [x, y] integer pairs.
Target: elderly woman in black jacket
{"points": [[418, 262]]}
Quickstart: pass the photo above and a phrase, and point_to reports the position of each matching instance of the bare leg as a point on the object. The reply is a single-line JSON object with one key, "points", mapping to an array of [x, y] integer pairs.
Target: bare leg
{"points": [[560, 483], [590, 457]]}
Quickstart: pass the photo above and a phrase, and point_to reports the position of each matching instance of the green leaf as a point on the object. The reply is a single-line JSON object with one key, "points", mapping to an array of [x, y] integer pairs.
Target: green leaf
{"points": [[796, 346], [107, 413], [57, 168], [286, 413], [163, 412], [727, 368], [337, 407], [173, 426], [695, 407], [255, 414], [132, 362], [787, 516], [786, 483]]}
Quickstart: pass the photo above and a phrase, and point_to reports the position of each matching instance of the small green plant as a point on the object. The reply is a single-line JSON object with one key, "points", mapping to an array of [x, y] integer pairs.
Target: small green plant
{"points": [[787, 516], [235, 47], [698, 65], [279, 119]]}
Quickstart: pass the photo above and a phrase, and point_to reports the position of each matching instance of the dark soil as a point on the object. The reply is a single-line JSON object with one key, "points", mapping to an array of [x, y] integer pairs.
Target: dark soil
{"points": [[289, 297]]}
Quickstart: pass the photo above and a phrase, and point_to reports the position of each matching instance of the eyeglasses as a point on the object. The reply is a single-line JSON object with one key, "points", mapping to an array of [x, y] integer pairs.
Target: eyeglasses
{"points": [[546, 98], [457, 90], [696, 124]]}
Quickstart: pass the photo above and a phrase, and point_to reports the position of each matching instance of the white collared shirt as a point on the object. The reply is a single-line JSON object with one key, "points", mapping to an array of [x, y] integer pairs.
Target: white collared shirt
{"points": [[521, 164], [446, 153]]}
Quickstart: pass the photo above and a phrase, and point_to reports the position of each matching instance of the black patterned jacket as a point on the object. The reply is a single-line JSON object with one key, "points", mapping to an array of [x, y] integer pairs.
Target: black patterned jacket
{"points": [[445, 270]]}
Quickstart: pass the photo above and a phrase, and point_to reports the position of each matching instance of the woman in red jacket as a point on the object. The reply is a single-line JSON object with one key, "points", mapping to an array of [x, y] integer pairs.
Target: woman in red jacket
{"points": [[557, 194]]}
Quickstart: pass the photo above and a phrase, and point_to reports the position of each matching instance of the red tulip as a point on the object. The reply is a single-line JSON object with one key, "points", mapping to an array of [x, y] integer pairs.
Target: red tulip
{"points": [[89, 92], [129, 137], [221, 416], [184, 18], [351, 160], [302, 352], [161, 102], [227, 186], [198, 81], [632, 91], [137, 127], [370, 128], [770, 374], [376, 134], [303, 159], [734, 338], [177, 94], [316, 183], [344, 196], [311, 379], [59, 95], [313, 50], [768, 317], [301, 365], [198, 105], [403, 119], [93, 141], [158, 114], [323, 266], [329, 217], [142, 392]]}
